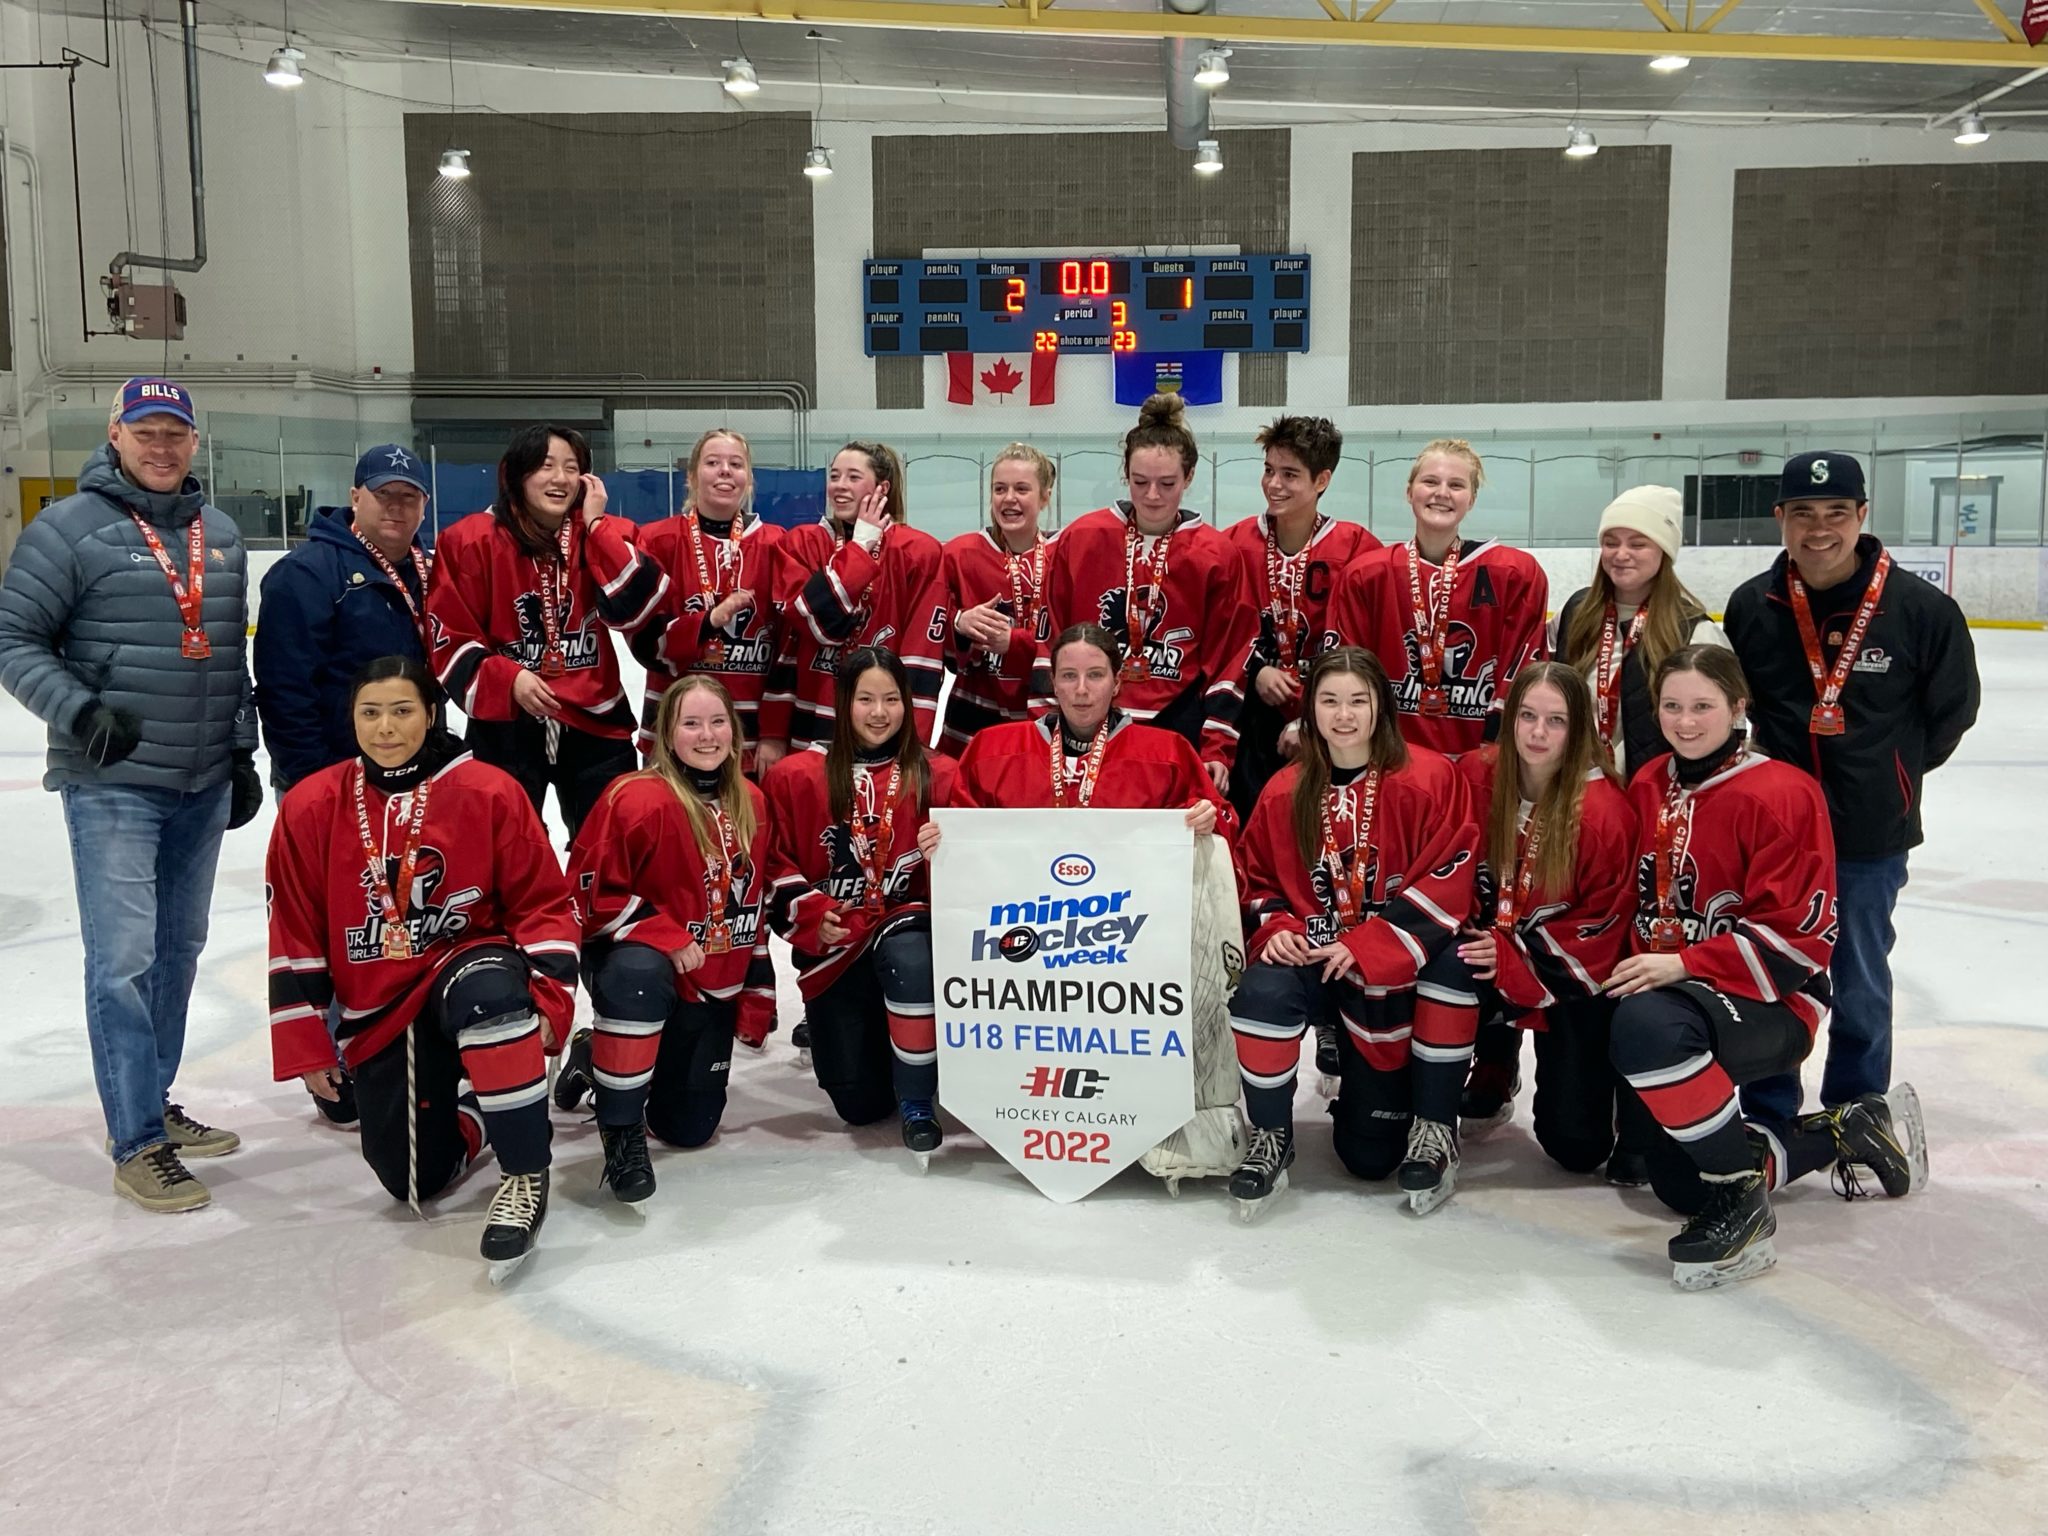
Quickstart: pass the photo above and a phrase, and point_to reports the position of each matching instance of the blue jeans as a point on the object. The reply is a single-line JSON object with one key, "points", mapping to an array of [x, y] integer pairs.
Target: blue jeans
{"points": [[143, 861], [1859, 1059]]}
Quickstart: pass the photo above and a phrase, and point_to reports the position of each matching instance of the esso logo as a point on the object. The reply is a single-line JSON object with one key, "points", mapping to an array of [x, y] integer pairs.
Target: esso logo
{"points": [[1073, 869]]}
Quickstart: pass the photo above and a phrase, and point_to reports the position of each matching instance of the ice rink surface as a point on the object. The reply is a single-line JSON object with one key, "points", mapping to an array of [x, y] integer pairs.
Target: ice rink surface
{"points": [[804, 1335]]}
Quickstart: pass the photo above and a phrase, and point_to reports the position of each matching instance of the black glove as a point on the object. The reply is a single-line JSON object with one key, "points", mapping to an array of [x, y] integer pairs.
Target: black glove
{"points": [[110, 735], [246, 799]]}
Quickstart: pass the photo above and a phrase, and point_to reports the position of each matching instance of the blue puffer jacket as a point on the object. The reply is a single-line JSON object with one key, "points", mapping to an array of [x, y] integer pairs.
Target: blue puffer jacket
{"points": [[327, 610], [86, 617]]}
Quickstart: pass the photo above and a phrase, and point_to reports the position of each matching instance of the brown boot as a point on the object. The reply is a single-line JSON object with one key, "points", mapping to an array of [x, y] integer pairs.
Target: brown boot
{"points": [[195, 1140], [155, 1180]]}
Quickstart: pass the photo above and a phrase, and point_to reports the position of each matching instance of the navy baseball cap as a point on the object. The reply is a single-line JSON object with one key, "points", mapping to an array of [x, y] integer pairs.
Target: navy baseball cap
{"points": [[1823, 475], [391, 463], [156, 397]]}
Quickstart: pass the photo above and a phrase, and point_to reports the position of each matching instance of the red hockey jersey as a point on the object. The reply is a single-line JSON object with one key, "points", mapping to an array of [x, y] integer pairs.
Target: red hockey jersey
{"points": [[1420, 858], [837, 596], [484, 874], [989, 689], [1308, 578], [816, 863], [1009, 767], [1755, 886], [1565, 942], [679, 639], [1199, 630], [636, 873], [487, 618], [1495, 629]]}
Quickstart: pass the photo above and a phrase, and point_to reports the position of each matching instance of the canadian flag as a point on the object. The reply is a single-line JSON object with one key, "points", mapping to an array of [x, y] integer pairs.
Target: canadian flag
{"points": [[999, 378]]}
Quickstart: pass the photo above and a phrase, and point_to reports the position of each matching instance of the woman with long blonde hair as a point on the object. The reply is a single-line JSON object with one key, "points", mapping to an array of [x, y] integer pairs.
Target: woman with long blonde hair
{"points": [[995, 581], [670, 880], [1618, 630], [1549, 920]]}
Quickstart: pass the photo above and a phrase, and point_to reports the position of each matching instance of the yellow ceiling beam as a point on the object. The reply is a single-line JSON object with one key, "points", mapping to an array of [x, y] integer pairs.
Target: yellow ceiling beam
{"points": [[1664, 18], [1070, 20], [1720, 15], [2001, 21], [1379, 9]]}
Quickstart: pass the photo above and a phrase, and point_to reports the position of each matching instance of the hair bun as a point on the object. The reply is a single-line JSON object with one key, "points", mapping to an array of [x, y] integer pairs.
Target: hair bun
{"points": [[1163, 411]]}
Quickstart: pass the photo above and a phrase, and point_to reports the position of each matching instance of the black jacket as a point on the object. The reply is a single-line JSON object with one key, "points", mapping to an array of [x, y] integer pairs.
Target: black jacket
{"points": [[1909, 698], [1641, 737]]}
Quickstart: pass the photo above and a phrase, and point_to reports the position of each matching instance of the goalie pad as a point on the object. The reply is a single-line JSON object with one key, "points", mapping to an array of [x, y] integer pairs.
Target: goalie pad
{"points": [[1212, 1144]]}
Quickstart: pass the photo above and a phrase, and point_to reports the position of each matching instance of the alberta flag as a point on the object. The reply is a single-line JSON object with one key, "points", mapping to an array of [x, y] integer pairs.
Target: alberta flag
{"points": [[1000, 378]]}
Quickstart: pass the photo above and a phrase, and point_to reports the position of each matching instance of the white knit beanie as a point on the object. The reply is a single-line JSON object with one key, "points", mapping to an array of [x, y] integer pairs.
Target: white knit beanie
{"points": [[1657, 512]]}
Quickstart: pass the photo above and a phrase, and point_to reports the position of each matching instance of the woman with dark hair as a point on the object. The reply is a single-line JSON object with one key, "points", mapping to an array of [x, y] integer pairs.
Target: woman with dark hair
{"points": [[1619, 630], [1088, 752], [1553, 897], [1358, 867], [995, 588], [415, 886], [852, 894], [671, 877], [1727, 980], [719, 617], [516, 616], [860, 575], [1171, 588]]}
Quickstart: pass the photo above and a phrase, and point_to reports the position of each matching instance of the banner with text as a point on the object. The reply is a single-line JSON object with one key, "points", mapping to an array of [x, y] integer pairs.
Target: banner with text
{"points": [[1060, 951]]}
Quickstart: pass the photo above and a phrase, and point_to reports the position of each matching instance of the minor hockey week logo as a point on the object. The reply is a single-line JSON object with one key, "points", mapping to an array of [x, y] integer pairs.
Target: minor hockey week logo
{"points": [[1702, 922], [580, 640], [1166, 650], [430, 915], [1060, 930], [1468, 689]]}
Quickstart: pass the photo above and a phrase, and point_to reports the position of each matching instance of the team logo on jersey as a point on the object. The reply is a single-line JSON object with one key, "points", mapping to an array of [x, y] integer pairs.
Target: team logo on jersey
{"points": [[430, 914], [1166, 650], [1468, 688], [1486, 892], [1322, 925], [827, 659], [581, 641], [1873, 659], [742, 908], [1702, 920]]}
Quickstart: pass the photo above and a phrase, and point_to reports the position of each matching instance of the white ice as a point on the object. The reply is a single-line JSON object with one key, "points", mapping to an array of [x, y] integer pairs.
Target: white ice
{"points": [[804, 1335]]}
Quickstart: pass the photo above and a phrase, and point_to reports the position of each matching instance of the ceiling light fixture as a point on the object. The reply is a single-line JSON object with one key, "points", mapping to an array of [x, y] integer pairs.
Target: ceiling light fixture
{"points": [[1579, 143], [1208, 157], [283, 69], [1212, 68], [455, 164], [740, 79], [1971, 129], [818, 162], [818, 159], [1670, 63]]}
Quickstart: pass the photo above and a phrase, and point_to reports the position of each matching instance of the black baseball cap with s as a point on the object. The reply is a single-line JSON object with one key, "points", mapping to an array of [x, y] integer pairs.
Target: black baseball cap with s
{"points": [[1823, 475]]}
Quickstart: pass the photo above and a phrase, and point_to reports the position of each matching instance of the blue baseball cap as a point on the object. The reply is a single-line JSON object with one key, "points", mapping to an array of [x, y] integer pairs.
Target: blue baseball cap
{"points": [[156, 397], [389, 464]]}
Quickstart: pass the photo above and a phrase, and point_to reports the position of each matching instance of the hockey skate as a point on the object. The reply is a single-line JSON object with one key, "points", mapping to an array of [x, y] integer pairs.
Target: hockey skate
{"points": [[1263, 1173], [1328, 1062], [800, 1037], [573, 1080], [1730, 1238], [921, 1132], [1429, 1175], [627, 1168], [1885, 1133], [1489, 1099], [517, 1211]]}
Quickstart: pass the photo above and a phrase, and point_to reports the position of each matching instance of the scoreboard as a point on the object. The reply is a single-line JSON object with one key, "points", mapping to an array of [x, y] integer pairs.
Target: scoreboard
{"points": [[1086, 304]]}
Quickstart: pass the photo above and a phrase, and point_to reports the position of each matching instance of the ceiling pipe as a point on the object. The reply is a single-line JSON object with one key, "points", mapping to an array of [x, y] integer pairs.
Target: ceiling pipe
{"points": [[188, 23], [1187, 104]]}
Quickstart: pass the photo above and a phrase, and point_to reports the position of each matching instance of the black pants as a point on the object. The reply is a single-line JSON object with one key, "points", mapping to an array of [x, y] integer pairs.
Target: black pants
{"points": [[1685, 1049], [1580, 1099], [470, 1027], [850, 1050], [1258, 752], [584, 765], [681, 1090]]}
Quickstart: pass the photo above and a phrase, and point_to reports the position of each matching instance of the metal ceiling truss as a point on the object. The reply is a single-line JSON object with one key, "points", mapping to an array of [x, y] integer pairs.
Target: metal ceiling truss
{"points": [[1354, 23]]}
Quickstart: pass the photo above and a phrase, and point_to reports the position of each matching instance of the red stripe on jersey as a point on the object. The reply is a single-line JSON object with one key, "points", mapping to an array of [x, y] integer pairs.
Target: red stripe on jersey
{"points": [[1445, 1024], [1694, 1101], [1262, 1056]]}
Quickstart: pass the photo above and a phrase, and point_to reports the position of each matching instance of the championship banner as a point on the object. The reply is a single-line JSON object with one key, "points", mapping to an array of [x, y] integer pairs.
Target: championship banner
{"points": [[1060, 958]]}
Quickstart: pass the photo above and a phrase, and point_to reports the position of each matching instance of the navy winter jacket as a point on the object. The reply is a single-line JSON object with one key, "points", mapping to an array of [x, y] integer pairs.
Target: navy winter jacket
{"points": [[327, 610]]}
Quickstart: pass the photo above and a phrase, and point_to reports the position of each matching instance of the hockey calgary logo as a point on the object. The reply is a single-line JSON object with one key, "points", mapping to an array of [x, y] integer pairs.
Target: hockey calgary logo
{"points": [[1064, 930], [1710, 921], [1469, 691], [430, 916]]}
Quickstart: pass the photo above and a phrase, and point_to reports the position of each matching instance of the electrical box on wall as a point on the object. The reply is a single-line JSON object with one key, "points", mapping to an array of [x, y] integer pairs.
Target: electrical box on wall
{"points": [[146, 311]]}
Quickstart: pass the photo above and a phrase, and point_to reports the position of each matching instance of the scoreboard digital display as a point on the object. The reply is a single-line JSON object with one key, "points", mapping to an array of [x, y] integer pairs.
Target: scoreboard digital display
{"points": [[1086, 304]]}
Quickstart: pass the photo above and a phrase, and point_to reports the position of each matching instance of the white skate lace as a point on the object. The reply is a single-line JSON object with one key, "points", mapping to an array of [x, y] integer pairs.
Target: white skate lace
{"points": [[517, 1201], [1267, 1149], [1429, 1141]]}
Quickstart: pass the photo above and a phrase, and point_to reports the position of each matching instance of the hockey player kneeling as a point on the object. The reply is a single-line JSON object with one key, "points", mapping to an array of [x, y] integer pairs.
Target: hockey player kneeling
{"points": [[1734, 927], [415, 887], [1087, 752], [1359, 864]]}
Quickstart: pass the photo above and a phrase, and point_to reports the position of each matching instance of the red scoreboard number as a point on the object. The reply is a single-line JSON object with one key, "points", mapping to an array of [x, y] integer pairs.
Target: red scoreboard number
{"points": [[1084, 279]]}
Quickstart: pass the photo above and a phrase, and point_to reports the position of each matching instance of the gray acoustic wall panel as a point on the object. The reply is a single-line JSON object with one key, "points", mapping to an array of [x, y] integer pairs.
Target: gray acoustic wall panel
{"points": [[1889, 280], [669, 245], [1483, 275], [1087, 191]]}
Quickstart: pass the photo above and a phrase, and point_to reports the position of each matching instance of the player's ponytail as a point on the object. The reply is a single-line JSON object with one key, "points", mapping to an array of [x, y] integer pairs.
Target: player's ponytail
{"points": [[1163, 423]]}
